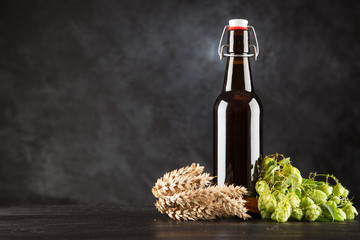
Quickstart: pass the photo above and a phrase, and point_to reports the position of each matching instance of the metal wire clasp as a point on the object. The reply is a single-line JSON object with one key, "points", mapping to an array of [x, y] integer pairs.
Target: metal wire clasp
{"points": [[221, 46]]}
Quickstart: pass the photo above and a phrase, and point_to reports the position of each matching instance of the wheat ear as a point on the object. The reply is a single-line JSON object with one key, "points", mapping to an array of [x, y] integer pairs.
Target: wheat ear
{"points": [[186, 194], [186, 178]]}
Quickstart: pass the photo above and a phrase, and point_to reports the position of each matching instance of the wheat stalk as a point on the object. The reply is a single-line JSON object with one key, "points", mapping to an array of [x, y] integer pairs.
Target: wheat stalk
{"points": [[186, 194]]}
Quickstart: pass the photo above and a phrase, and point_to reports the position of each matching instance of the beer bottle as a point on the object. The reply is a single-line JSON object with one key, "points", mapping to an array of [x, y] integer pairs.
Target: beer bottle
{"points": [[238, 113]]}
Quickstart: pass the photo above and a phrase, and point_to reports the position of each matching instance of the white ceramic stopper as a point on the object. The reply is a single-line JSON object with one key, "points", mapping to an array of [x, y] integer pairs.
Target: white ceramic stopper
{"points": [[238, 23]]}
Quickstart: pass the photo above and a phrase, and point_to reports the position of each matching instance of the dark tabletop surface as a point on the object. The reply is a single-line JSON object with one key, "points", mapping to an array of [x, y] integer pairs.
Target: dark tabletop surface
{"points": [[118, 222]]}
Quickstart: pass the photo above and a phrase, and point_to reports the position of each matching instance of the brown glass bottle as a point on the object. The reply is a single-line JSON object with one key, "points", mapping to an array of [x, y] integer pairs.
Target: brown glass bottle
{"points": [[238, 117]]}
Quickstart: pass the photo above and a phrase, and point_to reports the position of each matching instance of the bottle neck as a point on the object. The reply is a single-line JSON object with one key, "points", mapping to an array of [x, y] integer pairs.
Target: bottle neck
{"points": [[238, 73]]}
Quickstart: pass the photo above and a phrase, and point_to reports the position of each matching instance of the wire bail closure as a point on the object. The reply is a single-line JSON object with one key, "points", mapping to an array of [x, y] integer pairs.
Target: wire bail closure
{"points": [[221, 47]]}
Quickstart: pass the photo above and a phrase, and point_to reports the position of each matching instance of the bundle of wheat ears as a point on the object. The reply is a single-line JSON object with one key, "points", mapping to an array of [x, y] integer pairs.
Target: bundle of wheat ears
{"points": [[186, 194]]}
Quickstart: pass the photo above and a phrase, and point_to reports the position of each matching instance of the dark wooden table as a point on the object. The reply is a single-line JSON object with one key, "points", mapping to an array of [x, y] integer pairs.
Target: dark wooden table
{"points": [[116, 222]]}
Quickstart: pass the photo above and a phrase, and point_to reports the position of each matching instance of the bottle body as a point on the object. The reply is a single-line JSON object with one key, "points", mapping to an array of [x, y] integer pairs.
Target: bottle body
{"points": [[238, 117]]}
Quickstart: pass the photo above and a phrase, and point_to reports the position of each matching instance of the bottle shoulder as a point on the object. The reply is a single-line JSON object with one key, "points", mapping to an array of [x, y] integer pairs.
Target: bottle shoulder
{"points": [[231, 103], [238, 98]]}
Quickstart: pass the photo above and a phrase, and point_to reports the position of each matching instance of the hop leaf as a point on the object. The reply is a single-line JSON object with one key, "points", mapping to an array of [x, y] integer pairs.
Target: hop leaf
{"points": [[268, 161], [332, 204], [328, 210]]}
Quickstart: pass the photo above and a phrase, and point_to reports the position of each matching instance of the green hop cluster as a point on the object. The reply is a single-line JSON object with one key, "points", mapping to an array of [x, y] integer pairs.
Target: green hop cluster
{"points": [[267, 202], [261, 187], [282, 212], [297, 213], [350, 211], [318, 196], [284, 194], [312, 212]]}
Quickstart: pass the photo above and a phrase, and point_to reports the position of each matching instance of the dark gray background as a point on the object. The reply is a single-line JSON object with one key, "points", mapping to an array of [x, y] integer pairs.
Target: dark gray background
{"points": [[99, 98]]}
